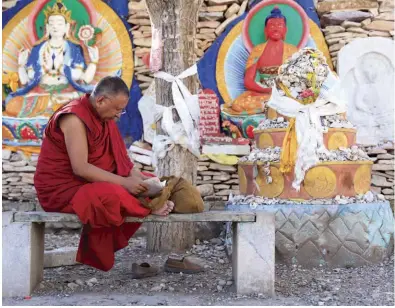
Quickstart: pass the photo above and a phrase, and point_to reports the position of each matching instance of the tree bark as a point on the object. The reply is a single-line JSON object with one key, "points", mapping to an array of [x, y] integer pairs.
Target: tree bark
{"points": [[177, 20]]}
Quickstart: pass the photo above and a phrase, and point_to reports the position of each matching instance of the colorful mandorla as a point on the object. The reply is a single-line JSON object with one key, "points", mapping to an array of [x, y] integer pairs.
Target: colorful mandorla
{"points": [[11, 80]]}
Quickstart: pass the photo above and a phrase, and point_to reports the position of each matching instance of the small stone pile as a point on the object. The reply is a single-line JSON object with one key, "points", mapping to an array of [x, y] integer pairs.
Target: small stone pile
{"points": [[255, 201], [383, 169], [214, 181], [275, 123], [214, 17], [343, 21], [17, 175]]}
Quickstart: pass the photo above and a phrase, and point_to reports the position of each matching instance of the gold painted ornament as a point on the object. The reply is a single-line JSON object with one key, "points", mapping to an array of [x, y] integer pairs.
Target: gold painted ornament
{"points": [[271, 113], [320, 182], [337, 140], [242, 180], [273, 189], [362, 179], [265, 141]]}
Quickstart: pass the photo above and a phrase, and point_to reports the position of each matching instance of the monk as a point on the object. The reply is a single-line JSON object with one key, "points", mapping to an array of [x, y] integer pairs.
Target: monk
{"points": [[262, 66], [84, 169]]}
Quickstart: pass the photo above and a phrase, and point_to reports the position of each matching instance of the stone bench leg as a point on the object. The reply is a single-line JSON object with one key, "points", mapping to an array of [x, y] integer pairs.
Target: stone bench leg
{"points": [[23, 256], [253, 255]]}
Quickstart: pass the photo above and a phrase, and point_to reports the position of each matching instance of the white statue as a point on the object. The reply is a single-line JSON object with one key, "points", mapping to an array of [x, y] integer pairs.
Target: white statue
{"points": [[366, 68]]}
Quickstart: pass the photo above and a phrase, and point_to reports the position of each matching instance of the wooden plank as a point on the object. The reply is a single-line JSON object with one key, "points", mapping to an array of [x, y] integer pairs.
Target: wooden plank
{"points": [[197, 217]]}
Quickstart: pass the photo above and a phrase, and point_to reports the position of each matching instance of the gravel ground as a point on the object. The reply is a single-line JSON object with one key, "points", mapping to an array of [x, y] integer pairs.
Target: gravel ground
{"points": [[82, 285]]}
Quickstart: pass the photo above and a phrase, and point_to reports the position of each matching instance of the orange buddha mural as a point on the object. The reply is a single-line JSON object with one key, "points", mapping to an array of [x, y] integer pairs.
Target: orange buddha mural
{"points": [[262, 66], [248, 56]]}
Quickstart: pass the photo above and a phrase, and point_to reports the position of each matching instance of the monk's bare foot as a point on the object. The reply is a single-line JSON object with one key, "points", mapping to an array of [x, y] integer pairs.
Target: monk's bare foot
{"points": [[165, 209]]}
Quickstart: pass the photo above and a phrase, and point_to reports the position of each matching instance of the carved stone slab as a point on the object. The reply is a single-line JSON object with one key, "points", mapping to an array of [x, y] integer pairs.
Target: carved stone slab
{"points": [[366, 69]]}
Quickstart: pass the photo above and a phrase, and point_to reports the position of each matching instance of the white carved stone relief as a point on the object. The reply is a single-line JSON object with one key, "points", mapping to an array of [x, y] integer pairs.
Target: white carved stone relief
{"points": [[366, 70]]}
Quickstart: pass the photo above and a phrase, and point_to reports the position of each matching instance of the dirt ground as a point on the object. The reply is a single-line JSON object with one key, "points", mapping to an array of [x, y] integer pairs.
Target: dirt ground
{"points": [[82, 285]]}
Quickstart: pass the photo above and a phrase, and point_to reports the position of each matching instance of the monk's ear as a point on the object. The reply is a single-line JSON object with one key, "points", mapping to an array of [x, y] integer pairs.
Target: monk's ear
{"points": [[100, 100]]}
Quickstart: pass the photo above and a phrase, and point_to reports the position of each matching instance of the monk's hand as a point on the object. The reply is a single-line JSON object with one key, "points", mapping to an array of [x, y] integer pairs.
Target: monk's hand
{"points": [[138, 174], [135, 185]]}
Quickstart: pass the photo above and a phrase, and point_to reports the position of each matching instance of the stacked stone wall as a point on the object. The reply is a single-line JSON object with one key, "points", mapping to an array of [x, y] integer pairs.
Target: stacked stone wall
{"points": [[215, 181], [383, 170], [343, 21]]}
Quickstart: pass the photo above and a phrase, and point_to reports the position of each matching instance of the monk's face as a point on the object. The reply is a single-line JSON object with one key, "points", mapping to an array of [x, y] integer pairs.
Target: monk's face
{"points": [[275, 29], [111, 107]]}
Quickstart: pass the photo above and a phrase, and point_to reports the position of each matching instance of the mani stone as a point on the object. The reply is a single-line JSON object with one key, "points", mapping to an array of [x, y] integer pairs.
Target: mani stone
{"points": [[345, 5], [387, 162], [221, 186], [222, 177], [380, 181], [366, 70], [6, 154], [206, 190], [383, 167], [357, 30], [337, 18], [388, 191], [377, 151], [20, 163], [379, 33], [222, 167], [385, 156], [333, 29], [380, 25], [348, 24]]}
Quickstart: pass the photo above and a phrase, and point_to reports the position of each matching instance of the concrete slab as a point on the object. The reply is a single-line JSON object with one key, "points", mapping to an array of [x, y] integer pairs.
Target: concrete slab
{"points": [[254, 255], [23, 255], [60, 257]]}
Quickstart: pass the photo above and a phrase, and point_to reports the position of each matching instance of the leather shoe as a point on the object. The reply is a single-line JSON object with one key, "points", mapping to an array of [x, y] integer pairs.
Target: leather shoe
{"points": [[182, 265], [143, 270]]}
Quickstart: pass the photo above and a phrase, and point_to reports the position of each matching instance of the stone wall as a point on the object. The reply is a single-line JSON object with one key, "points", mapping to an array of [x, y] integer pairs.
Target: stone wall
{"points": [[343, 21], [383, 170], [17, 176], [215, 181]]}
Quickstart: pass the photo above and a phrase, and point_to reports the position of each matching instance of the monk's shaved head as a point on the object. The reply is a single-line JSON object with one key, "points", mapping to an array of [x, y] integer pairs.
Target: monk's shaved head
{"points": [[110, 97], [111, 86]]}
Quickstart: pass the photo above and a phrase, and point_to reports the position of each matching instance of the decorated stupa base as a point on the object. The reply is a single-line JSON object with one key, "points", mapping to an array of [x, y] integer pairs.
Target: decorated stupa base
{"points": [[338, 132], [307, 170], [337, 232]]}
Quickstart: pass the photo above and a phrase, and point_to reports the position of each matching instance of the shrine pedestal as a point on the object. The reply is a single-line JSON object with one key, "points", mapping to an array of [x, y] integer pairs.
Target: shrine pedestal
{"points": [[334, 235], [325, 180]]}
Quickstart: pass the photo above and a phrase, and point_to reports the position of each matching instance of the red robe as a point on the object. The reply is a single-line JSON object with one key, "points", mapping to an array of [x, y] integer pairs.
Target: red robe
{"points": [[100, 206]]}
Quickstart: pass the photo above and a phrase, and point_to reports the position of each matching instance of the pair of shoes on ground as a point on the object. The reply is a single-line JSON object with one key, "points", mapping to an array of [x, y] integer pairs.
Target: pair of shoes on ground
{"points": [[173, 265]]}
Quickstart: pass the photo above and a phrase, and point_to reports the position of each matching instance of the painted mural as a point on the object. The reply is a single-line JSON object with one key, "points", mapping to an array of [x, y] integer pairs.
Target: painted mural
{"points": [[55, 51], [242, 64]]}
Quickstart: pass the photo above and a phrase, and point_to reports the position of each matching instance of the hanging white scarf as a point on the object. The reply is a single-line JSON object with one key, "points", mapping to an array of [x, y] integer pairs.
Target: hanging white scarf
{"points": [[185, 132], [309, 131]]}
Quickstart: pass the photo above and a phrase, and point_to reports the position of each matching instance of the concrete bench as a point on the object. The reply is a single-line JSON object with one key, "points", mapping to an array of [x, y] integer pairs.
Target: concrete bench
{"points": [[252, 258]]}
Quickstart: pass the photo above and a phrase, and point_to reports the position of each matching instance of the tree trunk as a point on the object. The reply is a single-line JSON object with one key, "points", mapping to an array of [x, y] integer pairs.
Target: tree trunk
{"points": [[177, 20]]}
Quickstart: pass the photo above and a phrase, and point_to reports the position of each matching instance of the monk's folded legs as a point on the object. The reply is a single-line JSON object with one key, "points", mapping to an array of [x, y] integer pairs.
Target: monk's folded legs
{"points": [[101, 207]]}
